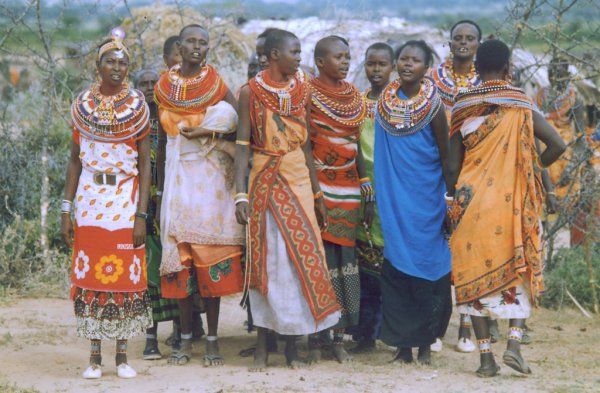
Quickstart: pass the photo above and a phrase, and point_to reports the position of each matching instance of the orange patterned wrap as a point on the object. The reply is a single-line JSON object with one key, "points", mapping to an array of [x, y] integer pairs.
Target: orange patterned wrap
{"points": [[336, 120]]}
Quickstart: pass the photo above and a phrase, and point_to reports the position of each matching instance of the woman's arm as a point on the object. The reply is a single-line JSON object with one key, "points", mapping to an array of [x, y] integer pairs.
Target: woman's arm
{"points": [[242, 153], [555, 146], [320, 209], [161, 156], [551, 200], [367, 217], [439, 124], [233, 102], [200, 132], [71, 183], [145, 178], [456, 154]]}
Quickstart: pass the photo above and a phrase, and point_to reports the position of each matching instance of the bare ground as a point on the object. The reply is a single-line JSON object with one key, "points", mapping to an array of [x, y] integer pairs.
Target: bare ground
{"points": [[39, 351]]}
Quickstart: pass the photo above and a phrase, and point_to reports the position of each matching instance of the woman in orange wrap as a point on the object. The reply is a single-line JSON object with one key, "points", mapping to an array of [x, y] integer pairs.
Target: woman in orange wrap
{"points": [[108, 179], [201, 240], [290, 289], [496, 203], [457, 73], [337, 114]]}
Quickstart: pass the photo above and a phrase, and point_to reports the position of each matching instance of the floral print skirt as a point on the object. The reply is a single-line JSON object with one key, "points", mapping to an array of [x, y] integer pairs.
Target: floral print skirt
{"points": [[111, 315], [511, 303]]}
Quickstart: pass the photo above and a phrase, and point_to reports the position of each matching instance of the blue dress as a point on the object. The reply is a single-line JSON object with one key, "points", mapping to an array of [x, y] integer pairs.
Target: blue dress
{"points": [[409, 186]]}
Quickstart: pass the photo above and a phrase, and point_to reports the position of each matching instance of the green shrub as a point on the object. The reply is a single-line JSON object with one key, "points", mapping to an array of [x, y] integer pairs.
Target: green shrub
{"points": [[570, 271]]}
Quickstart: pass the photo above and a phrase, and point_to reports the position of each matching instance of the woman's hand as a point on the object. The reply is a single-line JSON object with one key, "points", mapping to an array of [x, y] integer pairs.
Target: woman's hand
{"points": [[321, 213], [139, 232], [66, 229], [368, 212], [194, 132], [241, 212]]}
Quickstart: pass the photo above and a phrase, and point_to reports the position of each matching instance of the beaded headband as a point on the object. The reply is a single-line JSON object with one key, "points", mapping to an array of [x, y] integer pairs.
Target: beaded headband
{"points": [[117, 43]]}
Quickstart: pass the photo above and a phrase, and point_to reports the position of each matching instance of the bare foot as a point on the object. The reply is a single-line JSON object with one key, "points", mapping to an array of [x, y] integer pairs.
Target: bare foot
{"points": [[314, 355], [404, 355], [183, 355], [212, 356], [363, 346], [340, 353], [291, 357], [424, 356], [260, 361]]}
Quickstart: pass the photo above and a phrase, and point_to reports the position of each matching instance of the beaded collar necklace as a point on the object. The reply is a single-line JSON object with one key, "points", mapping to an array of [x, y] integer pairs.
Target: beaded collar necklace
{"points": [[189, 95], [370, 103], [287, 98], [449, 83], [557, 105], [344, 105], [407, 116], [110, 118], [494, 92]]}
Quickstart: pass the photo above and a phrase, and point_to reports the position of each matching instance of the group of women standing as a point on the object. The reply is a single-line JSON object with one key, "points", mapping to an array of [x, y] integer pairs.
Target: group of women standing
{"points": [[451, 150]]}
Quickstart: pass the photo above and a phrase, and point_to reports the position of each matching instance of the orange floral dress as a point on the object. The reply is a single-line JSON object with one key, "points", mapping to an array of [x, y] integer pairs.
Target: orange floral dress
{"points": [[108, 275], [496, 242]]}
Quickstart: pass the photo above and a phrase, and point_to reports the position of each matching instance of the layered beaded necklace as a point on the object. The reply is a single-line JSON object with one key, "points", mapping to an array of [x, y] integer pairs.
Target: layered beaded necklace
{"points": [[110, 118], [475, 101], [407, 116], [189, 95], [557, 106], [344, 105], [370, 103], [449, 83], [288, 98]]}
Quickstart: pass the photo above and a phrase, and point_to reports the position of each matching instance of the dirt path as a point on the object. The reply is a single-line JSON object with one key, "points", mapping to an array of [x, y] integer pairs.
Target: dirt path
{"points": [[39, 349]]}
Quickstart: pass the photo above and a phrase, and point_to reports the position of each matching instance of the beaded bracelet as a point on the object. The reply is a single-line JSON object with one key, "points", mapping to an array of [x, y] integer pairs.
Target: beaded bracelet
{"points": [[241, 199], [65, 206], [366, 190], [364, 180], [141, 215], [242, 143], [318, 194]]}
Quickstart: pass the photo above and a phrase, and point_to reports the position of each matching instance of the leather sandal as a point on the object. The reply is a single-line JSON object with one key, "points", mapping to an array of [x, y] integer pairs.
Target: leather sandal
{"points": [[488, 372], [516, 362]]}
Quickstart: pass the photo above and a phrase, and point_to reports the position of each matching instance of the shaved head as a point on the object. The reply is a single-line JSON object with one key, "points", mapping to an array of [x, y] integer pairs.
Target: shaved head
{"points": [[325, 44]]}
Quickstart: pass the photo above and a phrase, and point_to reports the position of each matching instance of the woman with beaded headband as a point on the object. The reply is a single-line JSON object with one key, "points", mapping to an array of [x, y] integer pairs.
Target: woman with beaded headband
{"points": [[201, 240], [290, 289], [337, 115], [495, 196], [411, 144], [108, 178], [457, 73]]}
